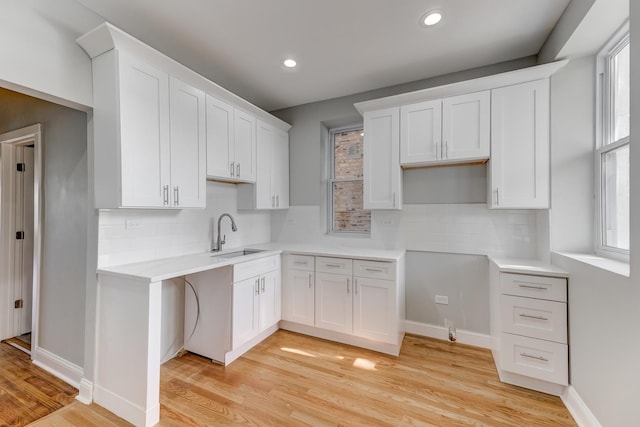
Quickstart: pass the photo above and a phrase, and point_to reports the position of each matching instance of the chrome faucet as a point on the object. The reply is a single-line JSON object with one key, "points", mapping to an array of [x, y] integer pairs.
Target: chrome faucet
{"points": [[221, 240]]}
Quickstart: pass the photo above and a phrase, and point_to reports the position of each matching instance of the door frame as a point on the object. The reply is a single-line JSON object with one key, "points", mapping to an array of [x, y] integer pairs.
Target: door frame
{"points": [[28, 135]]}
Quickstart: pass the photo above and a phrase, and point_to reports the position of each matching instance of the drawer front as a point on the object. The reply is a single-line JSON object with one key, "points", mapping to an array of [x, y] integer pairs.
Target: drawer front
{"points": [[544, 360], [334, 265], [299, 262], [374, 269], [534, 318], [549, 288], [245, 270]]}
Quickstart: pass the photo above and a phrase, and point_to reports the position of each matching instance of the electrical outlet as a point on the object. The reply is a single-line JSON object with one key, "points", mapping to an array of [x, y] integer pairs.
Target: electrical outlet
{"points": [[132, 224], [387, 222], [442, 299]]}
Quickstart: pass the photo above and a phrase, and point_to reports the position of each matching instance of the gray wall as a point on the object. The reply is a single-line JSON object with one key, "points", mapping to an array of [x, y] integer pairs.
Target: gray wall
{"points": [[63, 281], [309, 121]]}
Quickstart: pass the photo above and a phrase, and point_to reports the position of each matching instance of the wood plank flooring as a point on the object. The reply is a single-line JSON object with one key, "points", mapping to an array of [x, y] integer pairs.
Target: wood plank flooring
{"points": [[26, 391], [293, 380]]}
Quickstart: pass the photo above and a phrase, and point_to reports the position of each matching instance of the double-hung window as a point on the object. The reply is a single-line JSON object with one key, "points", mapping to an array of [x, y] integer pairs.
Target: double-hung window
{"points": [[612, 153], [346, 214]]}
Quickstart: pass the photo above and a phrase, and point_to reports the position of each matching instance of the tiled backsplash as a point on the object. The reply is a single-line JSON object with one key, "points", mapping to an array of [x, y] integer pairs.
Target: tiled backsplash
{"points": [[453, 228], [127, 236]]}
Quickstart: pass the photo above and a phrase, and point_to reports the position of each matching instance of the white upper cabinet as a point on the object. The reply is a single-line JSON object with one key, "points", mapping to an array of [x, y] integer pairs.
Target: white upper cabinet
{"points": [[271, 190], [382, 173], [188, 145], [231, 143], [445, 131], [149, 136], [519, 165]]}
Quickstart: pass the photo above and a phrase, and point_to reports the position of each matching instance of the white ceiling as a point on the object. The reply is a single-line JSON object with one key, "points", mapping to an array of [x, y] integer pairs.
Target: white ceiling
{"points": [[342, 46]]}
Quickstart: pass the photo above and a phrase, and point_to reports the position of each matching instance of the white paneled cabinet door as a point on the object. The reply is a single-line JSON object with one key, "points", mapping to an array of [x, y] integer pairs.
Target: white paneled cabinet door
{"points": [[466, 127], [374, 309], [382, 173], [334, 308], [144, 134], [270, 305], [421, 132], [219, 139], [299, 297], [280, 169], [519, 165], [188, 146], [245, 321], [244, 146]]}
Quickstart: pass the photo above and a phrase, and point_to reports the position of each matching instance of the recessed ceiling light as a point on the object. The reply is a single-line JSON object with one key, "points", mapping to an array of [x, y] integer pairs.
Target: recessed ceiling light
{"points": [[431, 18], [290, 63]]}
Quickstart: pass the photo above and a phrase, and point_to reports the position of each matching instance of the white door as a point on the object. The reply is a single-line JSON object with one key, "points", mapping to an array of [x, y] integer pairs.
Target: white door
{"points": [[519, 165], [382, 173], [144, 130], [188, 146], [245, 322], [219, 138], [298, 297], [374, 309], [269, 299], [466, 126], [421, 132], [334, 302], [245, 146]]}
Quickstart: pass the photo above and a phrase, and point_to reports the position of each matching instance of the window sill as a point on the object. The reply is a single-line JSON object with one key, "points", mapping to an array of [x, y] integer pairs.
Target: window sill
{"points": [[613, 266]]}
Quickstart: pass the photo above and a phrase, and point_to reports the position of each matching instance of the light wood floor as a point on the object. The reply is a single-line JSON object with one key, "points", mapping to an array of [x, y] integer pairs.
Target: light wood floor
{"points": [[291, 379]]}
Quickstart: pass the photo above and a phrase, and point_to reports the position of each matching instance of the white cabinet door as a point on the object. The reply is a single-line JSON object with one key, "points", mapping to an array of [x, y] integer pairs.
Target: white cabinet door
{"points": [[421, 132], [466, 127], [270, 304], [334, 302], [298, 297], [219, 138], [374, 309], [263, 190], [382, 173], [244, 146], [144, 135], [245, 318], [188, 145], [280, 169], [519, 165]]}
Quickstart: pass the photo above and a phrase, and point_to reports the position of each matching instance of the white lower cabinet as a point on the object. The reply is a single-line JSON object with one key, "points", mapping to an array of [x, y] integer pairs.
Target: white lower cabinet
{"points": [[358, 302], [529, 328]]}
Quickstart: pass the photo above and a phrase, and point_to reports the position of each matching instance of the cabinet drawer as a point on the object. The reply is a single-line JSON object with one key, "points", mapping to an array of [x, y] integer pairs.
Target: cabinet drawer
{"points": [[374, 269], [549, 288], [334, 265], [245, 270], [544, 360], [299, 262], [534, 318]]}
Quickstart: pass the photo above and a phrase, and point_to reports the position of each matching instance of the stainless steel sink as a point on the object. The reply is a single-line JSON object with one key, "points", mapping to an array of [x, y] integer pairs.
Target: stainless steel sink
{"points": [[236, 254]]}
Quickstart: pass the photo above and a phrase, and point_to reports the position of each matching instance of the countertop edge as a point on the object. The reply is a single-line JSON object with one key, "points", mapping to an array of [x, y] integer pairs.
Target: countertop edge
{"points": [[528, 266]]}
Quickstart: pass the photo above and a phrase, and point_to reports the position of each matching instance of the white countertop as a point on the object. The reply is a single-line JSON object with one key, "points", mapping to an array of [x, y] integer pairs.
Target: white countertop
{"points": [[528, 266], [168, 268]]}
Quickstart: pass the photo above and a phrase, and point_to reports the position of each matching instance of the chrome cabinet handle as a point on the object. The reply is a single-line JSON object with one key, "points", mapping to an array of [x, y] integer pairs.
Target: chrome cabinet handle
{"points": [[273, 201], [438, 152], [528, 316], [347, 285], [377, 270], [263, 284], [310, 284], [176, 196], [333, 265], [233, 169], [238, 170], [394, 199], [542, 359], [257, 288], [355, 286], [300, 262], [497, 197], [446, 150], [165, 195], [277, 201], [539, 288]]}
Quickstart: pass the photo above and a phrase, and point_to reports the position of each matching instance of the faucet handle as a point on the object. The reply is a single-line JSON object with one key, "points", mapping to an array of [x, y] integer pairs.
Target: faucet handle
{"points": [[224, 239]]}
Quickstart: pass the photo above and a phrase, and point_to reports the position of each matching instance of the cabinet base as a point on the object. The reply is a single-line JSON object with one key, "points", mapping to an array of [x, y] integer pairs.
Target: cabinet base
{"points": [[531, 383], [387, 348], [232, 355]]}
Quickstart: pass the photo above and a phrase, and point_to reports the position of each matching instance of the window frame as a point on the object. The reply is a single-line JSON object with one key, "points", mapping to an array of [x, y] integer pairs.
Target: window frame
{"points": [[331, 180], [604, 137]]}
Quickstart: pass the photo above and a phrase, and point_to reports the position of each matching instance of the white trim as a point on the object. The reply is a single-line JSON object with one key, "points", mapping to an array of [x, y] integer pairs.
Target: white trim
{"points": [[32, 134], [85, 389], [126, 409], [440, 332], [67, 371], [578, 409]]}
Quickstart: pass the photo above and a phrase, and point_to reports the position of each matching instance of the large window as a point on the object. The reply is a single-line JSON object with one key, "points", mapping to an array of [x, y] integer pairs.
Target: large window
{"points": [[612, 155], [345, 182]]}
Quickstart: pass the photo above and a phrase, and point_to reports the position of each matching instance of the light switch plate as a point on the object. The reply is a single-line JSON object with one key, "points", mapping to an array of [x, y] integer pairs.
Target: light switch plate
{"points": [[442, 299]]}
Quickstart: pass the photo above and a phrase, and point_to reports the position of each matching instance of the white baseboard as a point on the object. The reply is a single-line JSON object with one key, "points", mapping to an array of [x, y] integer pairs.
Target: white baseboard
{"points": [[442, 333], [126, 409], [86, 391], [578, 409], [56, 365]]}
